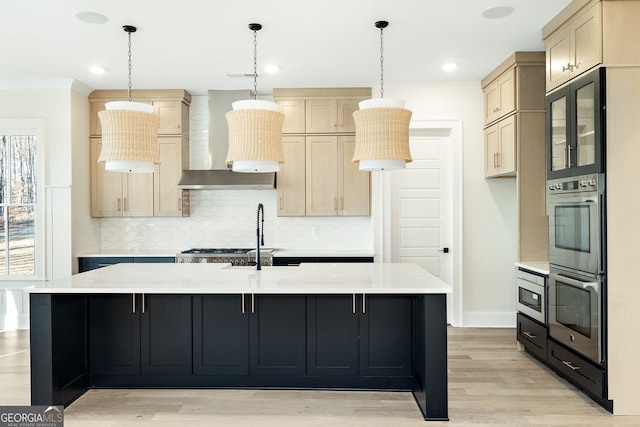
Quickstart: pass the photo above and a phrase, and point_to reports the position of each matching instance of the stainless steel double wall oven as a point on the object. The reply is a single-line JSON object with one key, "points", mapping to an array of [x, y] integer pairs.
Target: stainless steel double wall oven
{"points": [[576, 206]]}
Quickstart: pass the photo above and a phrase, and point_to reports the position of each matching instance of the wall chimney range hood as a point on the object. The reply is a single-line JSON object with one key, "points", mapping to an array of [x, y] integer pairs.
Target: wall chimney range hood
{"points": [[215, 175]]}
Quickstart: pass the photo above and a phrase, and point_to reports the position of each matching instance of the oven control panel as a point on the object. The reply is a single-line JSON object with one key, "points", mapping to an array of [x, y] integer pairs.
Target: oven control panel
{"points": [[575, 184]]}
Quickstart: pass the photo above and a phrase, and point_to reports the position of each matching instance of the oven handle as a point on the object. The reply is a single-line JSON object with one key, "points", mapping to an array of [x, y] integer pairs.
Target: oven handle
{"points": [[574, 282]]}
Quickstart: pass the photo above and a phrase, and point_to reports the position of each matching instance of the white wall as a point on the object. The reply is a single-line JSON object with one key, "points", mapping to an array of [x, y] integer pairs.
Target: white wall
{"points": [[489, 205]]}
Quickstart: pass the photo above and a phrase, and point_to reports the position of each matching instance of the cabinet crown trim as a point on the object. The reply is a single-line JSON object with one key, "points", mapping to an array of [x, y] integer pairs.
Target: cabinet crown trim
{"points": [[333, 93], [516, 59], [569, 12], [107, 95]]}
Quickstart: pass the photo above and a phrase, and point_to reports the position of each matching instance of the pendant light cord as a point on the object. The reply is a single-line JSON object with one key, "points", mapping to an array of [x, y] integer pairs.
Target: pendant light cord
{"points": [[381, 62], [129, 29], [129, 90], [255, 64]]}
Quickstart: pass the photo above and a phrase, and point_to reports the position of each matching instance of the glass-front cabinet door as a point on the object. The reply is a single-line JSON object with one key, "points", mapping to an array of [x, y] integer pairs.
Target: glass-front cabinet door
{"points": [[585, 130], [575, 127], [558, 134]]}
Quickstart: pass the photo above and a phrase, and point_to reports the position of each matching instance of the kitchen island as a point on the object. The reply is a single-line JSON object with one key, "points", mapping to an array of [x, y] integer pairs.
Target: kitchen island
{"points": [[371, 326]]}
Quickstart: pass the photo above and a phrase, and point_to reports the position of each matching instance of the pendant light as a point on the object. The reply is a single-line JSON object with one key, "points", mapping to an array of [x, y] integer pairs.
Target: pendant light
{"points": [[255, 128], [129, 132], [382, 128]]}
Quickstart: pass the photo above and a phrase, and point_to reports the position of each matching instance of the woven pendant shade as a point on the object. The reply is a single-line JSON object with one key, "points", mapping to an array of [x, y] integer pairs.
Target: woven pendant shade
{"points": [[255, 137], [382, 138], [129, 137]]}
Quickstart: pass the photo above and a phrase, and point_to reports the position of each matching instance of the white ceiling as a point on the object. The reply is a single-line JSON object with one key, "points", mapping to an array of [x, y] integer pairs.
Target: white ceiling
{"points": [[194, 44]]}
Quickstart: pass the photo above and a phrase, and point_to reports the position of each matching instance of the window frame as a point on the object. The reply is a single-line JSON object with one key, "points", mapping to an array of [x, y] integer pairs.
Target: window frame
{"points": [[17, 127]]}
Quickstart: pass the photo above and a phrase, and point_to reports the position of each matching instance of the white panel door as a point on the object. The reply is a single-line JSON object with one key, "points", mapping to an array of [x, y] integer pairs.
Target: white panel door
{"points": [[421, 208]]}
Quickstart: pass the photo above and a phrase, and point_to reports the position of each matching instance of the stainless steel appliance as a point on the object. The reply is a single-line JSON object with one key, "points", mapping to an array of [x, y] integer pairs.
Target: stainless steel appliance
{"points": [[576, 209], [236, 257], [575, 206], [532, 295], [575, 311]]}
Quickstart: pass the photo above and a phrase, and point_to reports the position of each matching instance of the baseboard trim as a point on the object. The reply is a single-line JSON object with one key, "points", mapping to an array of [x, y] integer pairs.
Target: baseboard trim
{"points": [[489, 319]]}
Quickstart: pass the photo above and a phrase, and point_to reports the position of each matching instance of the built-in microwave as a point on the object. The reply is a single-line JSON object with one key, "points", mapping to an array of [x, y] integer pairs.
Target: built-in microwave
{"points": [[576, 127], [576, 207], [531, 295]]}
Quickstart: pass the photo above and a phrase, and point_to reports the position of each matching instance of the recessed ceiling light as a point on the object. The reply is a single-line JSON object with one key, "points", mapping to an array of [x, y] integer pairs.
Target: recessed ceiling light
{"points": [[271, 68], [498, 12], [97, 69], [91, 17], [450, 66]]}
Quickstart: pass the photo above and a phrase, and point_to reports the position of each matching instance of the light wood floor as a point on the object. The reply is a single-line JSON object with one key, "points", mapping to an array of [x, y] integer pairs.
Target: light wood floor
{"points": [[490, 383]]}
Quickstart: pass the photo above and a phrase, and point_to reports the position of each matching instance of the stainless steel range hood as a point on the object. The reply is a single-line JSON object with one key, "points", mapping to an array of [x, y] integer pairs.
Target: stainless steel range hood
{"points": [[215, 175]]}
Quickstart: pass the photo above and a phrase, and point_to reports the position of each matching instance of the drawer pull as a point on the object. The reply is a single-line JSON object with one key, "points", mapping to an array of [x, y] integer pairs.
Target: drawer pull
{"points": [[529, 335], [570, 365]]}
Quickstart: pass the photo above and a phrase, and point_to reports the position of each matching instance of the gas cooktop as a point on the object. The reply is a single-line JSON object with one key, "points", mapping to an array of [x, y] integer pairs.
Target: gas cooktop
{"points": [[215, 251]]}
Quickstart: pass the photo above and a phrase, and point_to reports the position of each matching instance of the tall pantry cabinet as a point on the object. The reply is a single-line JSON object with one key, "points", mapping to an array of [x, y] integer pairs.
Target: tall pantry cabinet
{"points": [[318, 177], [115, 194], [585, 35], [514, 136]]}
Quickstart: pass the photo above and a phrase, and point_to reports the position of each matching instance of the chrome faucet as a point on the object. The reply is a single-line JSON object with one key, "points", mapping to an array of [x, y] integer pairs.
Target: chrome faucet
{"points": [[259, 235]]}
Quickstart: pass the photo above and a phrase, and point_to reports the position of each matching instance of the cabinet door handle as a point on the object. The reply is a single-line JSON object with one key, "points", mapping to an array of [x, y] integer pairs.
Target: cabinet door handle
{"points": [[529, 335], [126, 204], [119, 204], [342, 203], [499, 157], [253, 304], [335, 203], [568, 67], [133, 302], [569, 148], [364, 303], [570, 365], [142, 303], [242, 303], [179, 204], [353, 304], [281, 203]]}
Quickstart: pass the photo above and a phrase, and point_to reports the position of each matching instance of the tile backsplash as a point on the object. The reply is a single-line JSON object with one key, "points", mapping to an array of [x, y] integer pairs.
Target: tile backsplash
{"points": [[227, 218]]}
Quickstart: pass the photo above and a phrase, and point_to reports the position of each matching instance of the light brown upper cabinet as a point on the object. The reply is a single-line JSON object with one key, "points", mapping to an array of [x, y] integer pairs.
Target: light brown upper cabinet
{"points": [[318, 177], [291, 177], [345, 193], [330, 115], [575, 47], [588, 33], [500, 148], [294, 115], [168, 199], [500, 97], [115, 194], [155, 194]]}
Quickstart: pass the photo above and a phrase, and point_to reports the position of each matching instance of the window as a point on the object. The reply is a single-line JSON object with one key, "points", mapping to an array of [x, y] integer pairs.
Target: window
{"points": [[19, 197]]}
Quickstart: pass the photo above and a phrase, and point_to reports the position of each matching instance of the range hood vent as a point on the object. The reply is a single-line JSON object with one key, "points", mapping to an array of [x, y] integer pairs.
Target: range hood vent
{"points": [[215, 175], [226, 180]]}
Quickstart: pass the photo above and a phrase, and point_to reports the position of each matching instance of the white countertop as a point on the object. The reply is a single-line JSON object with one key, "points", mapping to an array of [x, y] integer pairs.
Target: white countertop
{"points": [[308, 278], [538, 267]]}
